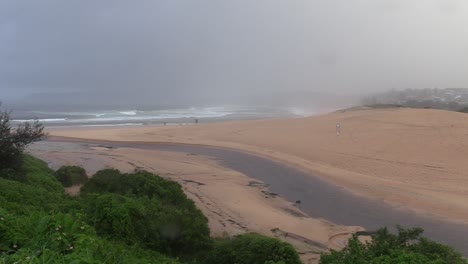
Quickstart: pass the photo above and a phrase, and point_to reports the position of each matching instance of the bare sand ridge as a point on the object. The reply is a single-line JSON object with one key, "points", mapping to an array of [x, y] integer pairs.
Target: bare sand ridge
{"points": [[409, 158]]}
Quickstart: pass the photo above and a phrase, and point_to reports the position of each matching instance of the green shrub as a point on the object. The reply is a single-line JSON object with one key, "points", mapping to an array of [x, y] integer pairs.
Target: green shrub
{"points": [[406, 247], [252, 249], [40, 224], [40, 190], [147, 209], [103, 181], [114, 215], [64, 238], [120, 218], [175, 230], [71, 175], [141, 184]]}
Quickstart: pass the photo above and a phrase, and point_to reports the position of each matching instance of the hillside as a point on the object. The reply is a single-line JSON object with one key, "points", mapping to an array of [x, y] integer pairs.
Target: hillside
{"points": [[118, 218]]}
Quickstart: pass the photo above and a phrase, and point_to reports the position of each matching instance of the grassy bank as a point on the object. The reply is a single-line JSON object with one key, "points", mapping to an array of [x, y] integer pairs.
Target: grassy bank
{"points": [[118, 218], [143, 218]]}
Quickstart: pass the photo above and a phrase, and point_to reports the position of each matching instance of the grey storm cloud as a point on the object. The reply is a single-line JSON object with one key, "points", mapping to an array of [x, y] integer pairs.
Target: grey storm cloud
{"points": [[182, 47]]}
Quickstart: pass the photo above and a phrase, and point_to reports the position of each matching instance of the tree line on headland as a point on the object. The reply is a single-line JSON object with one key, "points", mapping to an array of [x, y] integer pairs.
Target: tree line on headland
{"points": [[453, 99]]}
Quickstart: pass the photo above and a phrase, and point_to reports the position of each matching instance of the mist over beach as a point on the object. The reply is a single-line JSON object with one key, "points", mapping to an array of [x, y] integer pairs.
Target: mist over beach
{"points": [[234, 132], [70, 109], [153, 117], [170, 54]]}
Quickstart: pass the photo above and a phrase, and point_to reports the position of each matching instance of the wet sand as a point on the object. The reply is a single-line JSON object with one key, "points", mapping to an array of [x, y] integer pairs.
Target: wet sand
{"points": [[411, 158], [233, 202], [318, 197]]}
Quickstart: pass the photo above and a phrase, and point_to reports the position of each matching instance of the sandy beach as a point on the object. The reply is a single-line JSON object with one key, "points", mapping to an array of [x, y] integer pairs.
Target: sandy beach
{"points": [[395, 160], [309, 121], [408, 158], [233, 202]]}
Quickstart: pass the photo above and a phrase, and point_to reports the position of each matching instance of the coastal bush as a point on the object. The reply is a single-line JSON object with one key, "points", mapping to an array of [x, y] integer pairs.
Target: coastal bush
{"points": [[252, 249], [114, 215], [102, 181], [137, 218], [64, 238], [144, 208], [13, 140], [71, 175], [40, 224], [39, 191], [141, 184], [406, 247]]}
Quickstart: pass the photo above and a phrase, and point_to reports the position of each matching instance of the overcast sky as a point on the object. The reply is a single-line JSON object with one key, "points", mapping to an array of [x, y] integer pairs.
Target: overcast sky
{"points": [[159, 48]]}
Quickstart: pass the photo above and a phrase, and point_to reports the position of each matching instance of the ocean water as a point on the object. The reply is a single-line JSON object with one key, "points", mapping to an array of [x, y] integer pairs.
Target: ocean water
{"points": [[134, 117]]}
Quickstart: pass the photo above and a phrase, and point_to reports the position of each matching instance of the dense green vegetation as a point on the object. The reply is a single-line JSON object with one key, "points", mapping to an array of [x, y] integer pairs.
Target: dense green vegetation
{"points": [[146, 209], [71, 175], [118, 218], [142, 218], [252, 249], [406, 247], [41, 224]]}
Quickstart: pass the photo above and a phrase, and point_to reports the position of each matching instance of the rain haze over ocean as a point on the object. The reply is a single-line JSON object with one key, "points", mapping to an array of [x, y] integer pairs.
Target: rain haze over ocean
{"points": [[141, 61]]}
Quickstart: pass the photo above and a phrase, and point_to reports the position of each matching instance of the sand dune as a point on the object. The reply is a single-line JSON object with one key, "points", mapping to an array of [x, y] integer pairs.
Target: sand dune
{"points": [[409, 158]]}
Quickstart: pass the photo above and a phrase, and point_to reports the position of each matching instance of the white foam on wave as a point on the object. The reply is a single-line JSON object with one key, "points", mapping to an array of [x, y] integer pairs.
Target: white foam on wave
{"points": [[124, 116], [41, 120], [301, 112], [130, 115], [153, 115], [112, 125], [132, 112]]}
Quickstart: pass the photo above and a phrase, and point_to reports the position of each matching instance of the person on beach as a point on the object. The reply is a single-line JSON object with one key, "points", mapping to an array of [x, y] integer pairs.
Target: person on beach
{"points": [[338, 129]]}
